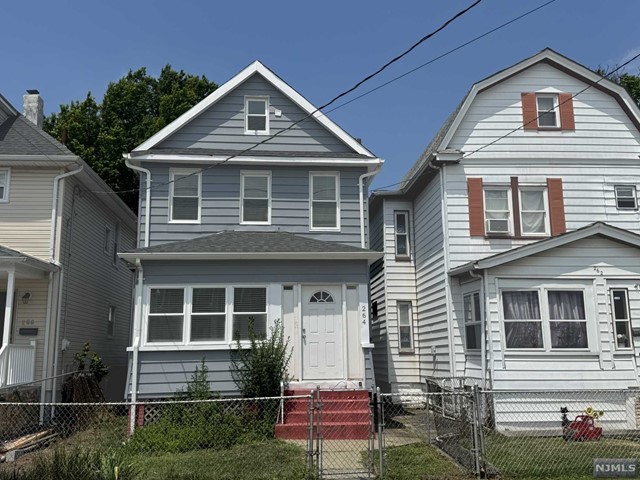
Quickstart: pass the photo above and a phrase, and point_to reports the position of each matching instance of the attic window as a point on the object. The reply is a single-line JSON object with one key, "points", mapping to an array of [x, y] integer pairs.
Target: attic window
{"points": [[547, 111], [256, 118]]}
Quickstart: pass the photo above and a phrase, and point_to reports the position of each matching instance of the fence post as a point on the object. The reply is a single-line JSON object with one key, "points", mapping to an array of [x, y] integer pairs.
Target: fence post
{"points": [[475, 426], [380, 437], [310, 452]]}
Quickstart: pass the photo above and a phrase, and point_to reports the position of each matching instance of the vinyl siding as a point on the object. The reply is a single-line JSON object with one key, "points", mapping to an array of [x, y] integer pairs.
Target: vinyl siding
{"points": [[377, 287], [220, 206], [93, 283], [431, 282], [598, 263], [25, 221], [222, 125]]}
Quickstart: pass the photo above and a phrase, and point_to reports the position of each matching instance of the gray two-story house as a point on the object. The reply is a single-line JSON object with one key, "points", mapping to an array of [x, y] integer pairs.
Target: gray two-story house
{"points": [[252, 206]]}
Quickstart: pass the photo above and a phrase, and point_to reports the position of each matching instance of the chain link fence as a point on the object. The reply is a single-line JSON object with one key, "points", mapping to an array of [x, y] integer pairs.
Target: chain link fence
{"points": [[444, 434]]}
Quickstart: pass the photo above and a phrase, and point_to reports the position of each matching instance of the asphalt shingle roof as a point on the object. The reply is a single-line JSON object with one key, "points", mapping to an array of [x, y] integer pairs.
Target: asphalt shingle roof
{"points": [[10, 253], [18, 136], [251, 242], [251, 153]]}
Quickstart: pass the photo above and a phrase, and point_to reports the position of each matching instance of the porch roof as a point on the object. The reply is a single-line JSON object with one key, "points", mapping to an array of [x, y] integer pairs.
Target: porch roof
{"points": [[597, 228], [9, 256], [251, 246]]}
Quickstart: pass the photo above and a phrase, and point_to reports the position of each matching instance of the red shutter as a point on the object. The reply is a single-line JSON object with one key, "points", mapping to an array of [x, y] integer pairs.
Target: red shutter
{"points": [[556, 206], [529, 111], [476, 207], [567, 121]]}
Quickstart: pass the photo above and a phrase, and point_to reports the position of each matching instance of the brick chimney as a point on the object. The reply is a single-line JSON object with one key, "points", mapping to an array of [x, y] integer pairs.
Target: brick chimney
{"points": [[33, 107]]}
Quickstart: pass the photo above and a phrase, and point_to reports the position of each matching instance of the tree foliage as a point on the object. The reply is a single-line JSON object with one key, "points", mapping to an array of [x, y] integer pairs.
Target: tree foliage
{"points": [[132, 109]]}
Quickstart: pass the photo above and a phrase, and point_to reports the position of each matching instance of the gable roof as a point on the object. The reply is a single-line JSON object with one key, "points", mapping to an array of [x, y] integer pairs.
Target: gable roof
{"points": [[251, 246], [223, 90], [548, 56], [595, 229]]}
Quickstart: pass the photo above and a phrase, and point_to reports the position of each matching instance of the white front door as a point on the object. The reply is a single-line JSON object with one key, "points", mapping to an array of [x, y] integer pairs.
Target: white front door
{"points": [[322, 355]]}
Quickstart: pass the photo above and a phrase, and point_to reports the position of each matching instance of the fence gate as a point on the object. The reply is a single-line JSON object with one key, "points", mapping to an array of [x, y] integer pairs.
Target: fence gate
{"points": [[342, 438]]}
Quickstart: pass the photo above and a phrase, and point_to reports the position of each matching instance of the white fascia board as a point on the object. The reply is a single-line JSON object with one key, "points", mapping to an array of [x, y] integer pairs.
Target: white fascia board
{"points": [[49, 158], [616, 234], [523, 65], [208, 159], [371, 256], [220, 92]]}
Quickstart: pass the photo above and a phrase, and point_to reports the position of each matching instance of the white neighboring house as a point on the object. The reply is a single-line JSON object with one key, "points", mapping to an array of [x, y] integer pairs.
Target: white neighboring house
{"points": [[511, 253], [61, 281]]}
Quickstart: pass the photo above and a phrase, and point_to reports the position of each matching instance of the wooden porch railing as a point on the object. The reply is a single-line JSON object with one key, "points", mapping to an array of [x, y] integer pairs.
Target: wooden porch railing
{"points": [[17, 364]]}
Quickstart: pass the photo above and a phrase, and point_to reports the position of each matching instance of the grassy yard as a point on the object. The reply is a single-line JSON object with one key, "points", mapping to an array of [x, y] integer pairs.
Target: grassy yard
{"points": [[419, 461], [266, 460], [553, 458]]}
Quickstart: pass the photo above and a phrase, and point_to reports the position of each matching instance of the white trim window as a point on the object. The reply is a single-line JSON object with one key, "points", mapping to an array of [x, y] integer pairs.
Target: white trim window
{"points": [[621, 318], [405, 326], [401, 229], [165, 320], [559, 323], [255, 198], [534, 219], [626, 197], [256, 115], [548, 112], [204, 314], [185, 195], [111, 321], [472, 321], [324, 201], [497, 210], [5, 177]]}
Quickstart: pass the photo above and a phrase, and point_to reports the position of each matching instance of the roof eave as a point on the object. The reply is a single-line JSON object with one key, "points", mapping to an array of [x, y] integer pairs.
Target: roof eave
{"points": [[364, 255]]}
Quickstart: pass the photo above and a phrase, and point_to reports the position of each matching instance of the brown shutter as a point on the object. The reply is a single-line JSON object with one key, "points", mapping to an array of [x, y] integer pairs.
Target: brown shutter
{"points": [[529, 111], [556, 206], [476, 207], [567, 121], [515, 198]]}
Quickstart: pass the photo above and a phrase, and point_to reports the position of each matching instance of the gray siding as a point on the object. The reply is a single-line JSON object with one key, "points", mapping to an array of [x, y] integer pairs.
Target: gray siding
{"points": [[203, 272], [222, 125], [221, 204], [162, 374], [93, 283]]}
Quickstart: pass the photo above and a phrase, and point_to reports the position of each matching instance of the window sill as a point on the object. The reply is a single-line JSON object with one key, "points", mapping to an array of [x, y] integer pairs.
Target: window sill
{"points": [[406, 351], [555, 353], [190, 348], [256, 132], [403, 258], [328, 229], [513, 237], [185, 222]]}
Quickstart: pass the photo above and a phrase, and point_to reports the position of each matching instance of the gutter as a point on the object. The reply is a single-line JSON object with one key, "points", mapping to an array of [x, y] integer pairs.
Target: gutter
{"points": [[359, 255], [363, 242], [147, 207]]}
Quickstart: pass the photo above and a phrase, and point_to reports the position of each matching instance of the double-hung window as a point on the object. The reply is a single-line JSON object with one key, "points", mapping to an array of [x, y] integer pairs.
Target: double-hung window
{"points": [[256, 197], [626, 198], [621, 319], [4, 185], [402, 234], [497, 212], [545, 319], [405, 321], [325, 206], [547, 105], [184, 202], [203, 315], [256, 118], [533, 211], [472, 321]]}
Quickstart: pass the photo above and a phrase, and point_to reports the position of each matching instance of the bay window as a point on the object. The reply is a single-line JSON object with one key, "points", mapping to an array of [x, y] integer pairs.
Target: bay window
{"points": [[545, 319], [203, 315]]}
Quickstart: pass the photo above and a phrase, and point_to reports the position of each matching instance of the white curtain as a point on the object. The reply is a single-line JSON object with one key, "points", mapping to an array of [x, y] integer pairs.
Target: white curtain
{"points": [[533, 212], [521, 305], [567, 305]]}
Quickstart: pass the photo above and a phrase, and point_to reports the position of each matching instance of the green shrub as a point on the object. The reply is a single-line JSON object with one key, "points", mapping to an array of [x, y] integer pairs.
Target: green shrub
{"points": [[259, 370]]}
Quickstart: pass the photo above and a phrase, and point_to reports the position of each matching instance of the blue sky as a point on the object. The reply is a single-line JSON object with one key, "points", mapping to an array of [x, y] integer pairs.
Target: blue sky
{"points": [[66, 48]]}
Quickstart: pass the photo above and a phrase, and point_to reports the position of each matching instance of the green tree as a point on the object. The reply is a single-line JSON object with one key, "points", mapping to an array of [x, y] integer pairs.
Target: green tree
{"points": [[132, 109]]}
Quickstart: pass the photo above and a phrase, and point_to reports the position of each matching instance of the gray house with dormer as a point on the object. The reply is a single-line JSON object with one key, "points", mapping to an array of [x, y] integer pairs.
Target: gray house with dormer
{"points": [[253, 205]]}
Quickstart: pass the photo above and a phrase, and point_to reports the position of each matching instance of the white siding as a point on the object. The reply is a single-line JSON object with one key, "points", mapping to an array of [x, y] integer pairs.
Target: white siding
{"points": [[598, 263], [25, 221]]}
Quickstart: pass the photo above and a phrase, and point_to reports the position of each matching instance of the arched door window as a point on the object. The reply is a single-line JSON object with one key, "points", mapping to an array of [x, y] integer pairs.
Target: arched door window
{"points": [[321, 297]]}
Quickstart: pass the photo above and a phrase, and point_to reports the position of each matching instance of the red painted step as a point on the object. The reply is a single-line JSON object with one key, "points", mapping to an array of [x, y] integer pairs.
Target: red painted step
{"points": [[343, 415]]}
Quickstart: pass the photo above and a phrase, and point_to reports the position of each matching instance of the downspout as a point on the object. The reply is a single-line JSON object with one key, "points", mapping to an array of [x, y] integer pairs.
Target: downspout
{"points": [[52, 257], [363, 242], [47, 332], [483, 327], [488, 326], [137, 325], [147, 207]]}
